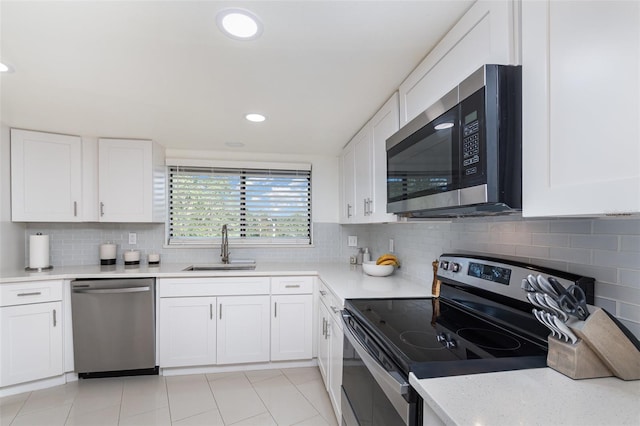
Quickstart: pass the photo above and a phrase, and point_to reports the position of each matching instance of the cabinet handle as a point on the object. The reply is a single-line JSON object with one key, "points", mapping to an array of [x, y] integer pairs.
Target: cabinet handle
{"points": [[210, 310], [324, 326], [101, 209], [369, 202], [335, 310], [348, 210], [55, 321], [275, 309], [292, 286], [323, 293], [75, 208], [221, 311], [326, 334], [35, 293]]}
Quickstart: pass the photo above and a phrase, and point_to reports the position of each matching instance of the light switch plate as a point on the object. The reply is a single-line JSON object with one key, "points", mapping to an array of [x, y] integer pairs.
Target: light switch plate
{"points": [[133, 238], [352, 241]]}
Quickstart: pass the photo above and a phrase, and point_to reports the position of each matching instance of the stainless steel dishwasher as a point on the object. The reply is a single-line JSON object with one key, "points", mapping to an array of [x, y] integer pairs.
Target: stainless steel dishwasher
{"points": [[113, 326]]}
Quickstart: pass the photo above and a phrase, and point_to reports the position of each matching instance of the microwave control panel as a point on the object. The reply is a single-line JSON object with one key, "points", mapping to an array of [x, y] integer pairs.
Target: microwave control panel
{"points": [[470, 148]]}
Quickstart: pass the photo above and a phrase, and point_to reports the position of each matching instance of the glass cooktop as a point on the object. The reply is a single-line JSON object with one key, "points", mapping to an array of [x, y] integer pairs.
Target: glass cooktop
{"points": [[430, 336]]}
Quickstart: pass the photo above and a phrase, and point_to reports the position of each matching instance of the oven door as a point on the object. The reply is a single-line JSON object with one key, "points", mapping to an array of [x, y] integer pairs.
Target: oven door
{"points": [[374, 391]]}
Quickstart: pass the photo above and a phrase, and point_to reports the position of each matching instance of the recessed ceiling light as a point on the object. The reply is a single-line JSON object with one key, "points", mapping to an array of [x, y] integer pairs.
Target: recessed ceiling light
{"points": [[256, 118], [442, 126], [239, 24], [5, 68]]}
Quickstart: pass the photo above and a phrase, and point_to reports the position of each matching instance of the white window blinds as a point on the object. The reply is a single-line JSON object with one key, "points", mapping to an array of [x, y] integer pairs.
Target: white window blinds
{"points": [[260, 206]]}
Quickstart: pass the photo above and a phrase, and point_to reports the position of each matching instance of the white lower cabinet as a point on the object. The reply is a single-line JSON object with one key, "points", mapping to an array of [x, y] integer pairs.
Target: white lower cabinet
{"points": [[31, 337], [243, 329], [330, 342], [291, 327], [188, 331]]}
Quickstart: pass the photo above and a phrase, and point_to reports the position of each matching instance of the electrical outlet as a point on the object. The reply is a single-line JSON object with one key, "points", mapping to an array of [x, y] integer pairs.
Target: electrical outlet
{"points": [[352, 241], [133, 238], [392, 246]]}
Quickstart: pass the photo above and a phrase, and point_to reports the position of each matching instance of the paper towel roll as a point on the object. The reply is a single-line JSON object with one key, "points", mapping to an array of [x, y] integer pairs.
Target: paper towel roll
{"points": [[38, 251]]}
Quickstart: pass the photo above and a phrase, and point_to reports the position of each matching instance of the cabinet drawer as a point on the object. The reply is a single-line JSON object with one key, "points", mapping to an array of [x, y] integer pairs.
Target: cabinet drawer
{"points": [[215, 286], [330, 300], [291, 285], [30, 292]]}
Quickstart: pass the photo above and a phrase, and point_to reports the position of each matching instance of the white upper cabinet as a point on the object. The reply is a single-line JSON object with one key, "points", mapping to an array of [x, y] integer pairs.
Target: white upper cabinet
{"points": [[364, 169], [384, 124], [486, 34], [46, 183], [130, 181], [61, 178], [348, 180], [581, 108]]}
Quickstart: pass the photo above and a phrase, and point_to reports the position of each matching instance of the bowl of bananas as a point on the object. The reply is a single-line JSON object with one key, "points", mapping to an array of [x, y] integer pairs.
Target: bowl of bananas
{"points": [[382, 267]]}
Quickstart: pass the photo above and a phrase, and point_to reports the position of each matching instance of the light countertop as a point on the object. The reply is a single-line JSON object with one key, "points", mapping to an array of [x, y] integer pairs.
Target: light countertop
{"points": [[346, 281], [539, 396]]}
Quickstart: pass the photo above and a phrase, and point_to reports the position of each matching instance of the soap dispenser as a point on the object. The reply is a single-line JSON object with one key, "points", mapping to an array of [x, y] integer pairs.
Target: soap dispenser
{"points": [[366, 256]]}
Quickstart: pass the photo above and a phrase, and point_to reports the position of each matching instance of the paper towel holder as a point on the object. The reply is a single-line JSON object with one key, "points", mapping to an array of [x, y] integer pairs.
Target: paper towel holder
{"points": [[41, 268]]}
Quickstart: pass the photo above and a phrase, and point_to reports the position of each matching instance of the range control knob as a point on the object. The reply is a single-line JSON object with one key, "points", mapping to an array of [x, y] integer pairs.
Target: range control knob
{"points": [[444, 265], [455, 267]]}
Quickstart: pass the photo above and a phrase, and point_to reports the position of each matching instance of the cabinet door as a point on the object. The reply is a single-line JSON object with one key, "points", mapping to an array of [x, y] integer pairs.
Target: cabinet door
{"points": [[31, 337], [384, 124], [243, 329], [187, 331], [46, 174], [125, 180], [348, 208], [580, 108], [291, 327], [363, 166], [323, 343], [486, 34], [335, 363]]}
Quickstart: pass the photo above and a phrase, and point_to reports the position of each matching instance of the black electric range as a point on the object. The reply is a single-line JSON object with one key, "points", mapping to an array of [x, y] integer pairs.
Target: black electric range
{"points": [[481, 322]]}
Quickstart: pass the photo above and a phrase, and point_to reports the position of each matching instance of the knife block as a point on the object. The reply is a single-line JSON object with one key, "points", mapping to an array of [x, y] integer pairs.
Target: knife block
{"points": [[609, 343], [576, 361]]}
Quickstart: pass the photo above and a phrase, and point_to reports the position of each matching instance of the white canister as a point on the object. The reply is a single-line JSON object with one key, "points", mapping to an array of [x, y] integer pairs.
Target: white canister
{"points": [[108, 254], [153, 258], [131, 257]]}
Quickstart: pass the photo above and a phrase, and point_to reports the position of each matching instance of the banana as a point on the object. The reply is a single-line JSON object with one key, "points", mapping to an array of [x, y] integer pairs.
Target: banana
{"points": [[388, 259]]}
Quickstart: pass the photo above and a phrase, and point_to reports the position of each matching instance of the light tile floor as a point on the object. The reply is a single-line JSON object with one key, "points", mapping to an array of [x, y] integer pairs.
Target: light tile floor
{"points": [[294, 396]]}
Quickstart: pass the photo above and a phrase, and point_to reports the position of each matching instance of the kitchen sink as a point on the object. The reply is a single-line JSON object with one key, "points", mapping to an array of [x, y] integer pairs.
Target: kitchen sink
{"points": [[232, 266]]}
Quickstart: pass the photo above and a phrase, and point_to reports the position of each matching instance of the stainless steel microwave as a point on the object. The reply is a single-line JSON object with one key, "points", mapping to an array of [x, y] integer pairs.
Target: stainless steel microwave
{"points": [[463, 155]]}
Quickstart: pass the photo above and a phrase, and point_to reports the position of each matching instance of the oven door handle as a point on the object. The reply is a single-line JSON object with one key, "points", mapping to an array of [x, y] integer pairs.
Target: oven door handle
{"points": [[394, 386]]}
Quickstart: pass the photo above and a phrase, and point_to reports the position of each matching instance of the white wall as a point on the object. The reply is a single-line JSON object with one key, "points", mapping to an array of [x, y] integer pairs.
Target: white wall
{"points": [[324, 176], [12, 235]]}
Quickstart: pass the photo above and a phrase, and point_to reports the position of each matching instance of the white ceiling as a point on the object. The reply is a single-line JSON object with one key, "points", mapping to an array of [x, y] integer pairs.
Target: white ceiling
{"points": [[163, 71]]}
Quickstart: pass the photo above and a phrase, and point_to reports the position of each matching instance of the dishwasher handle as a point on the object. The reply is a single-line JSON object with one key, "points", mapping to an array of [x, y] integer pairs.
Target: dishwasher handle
{"points": [[111, 290]]}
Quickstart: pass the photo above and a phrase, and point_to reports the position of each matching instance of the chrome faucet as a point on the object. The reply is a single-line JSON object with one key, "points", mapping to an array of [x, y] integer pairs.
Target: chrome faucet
{"points": [[224, 247]]}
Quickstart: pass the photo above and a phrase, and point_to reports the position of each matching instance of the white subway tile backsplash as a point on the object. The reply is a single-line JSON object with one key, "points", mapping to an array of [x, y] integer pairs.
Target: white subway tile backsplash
{"points": [[629, 277], [550, 240], [570, 226], [630, 243], [629, 312], [617, 226], [619, 292], [620, 259], [533, 252], [601, 242], [570, 254]]}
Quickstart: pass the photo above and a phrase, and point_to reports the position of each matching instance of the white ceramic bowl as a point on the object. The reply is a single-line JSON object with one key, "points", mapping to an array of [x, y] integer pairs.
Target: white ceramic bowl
{"points": [[370, 268]]}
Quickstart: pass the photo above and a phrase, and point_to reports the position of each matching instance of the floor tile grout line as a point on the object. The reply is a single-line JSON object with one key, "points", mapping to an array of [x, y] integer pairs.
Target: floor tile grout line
{"points": [[311, 403]]}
